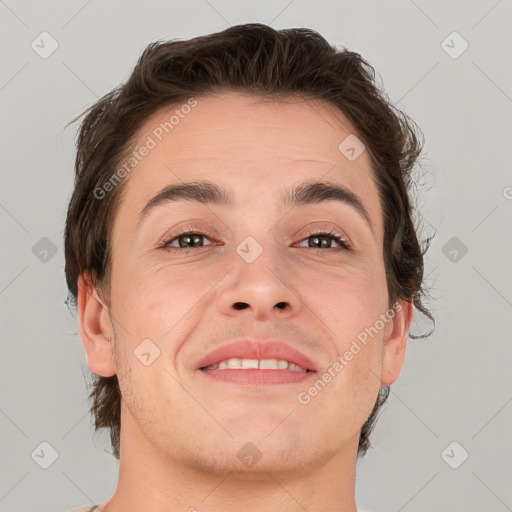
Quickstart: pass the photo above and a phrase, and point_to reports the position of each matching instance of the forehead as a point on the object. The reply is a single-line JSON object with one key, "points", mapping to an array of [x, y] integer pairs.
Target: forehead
{"points": [[255, 148]]}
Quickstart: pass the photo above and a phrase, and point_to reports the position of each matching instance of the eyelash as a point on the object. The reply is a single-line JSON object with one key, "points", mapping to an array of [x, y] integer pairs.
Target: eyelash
{"points": [[342, 241]]}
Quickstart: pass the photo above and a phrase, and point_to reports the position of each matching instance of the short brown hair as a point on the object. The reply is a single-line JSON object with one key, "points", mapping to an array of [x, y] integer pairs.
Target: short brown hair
{"points": [[270, 64]]}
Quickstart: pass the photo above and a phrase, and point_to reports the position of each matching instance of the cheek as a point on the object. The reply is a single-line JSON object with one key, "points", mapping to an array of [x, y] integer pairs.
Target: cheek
{"points": [[352, 313], [149, 297], [348, 301], [357, 376]]}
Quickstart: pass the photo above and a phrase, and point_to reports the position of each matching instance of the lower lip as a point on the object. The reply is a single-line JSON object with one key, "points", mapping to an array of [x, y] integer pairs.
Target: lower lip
{"points": [[248, 377]]}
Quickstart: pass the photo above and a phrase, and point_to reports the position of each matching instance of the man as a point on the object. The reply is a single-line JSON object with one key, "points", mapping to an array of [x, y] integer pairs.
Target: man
{"points": [[241, 250]]}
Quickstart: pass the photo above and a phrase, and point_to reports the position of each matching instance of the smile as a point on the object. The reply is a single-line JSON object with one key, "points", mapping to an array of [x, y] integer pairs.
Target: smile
{"points": [[236, 363]]}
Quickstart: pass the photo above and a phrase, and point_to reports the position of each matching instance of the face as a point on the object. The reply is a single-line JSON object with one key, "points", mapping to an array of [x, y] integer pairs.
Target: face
{"points": [[260, 267]]}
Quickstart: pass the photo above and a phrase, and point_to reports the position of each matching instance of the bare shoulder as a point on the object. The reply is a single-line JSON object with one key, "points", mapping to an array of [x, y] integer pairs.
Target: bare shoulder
{"points": [[83, 509]]}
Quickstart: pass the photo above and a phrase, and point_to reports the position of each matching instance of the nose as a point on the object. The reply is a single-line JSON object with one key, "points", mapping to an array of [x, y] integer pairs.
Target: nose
{"points": [[261, 289]]}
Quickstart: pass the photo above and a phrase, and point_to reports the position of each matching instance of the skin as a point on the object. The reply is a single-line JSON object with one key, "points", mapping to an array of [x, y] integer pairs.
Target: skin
{"points": [[181, 432]]}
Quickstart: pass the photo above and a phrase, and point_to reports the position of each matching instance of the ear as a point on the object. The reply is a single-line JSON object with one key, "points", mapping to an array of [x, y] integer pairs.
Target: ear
{"points": [[395, 341], [96, 328]]}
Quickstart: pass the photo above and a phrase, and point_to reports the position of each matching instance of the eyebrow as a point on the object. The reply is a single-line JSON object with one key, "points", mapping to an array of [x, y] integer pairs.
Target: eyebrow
{"points": [[206, 192]]}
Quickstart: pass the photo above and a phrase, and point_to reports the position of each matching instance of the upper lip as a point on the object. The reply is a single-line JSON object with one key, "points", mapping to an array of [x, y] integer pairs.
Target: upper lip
{"points": [[254, 348]]}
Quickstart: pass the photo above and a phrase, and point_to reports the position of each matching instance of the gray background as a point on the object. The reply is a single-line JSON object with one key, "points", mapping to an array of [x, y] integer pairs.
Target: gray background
{"points": [[455, 386]]}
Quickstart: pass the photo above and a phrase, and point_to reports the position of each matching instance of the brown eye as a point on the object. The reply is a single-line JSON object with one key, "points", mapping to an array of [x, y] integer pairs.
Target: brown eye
{"points": [[324, 239], [187, 240]]}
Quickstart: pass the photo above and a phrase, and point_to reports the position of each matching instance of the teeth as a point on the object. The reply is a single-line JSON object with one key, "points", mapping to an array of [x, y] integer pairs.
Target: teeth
{"points": [[235, 363]]}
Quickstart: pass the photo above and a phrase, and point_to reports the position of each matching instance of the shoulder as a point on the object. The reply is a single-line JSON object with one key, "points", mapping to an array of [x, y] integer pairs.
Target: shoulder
{"points": [[83, 509]]}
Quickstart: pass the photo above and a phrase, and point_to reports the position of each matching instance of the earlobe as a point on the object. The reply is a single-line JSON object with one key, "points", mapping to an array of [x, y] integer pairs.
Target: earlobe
{"points": [[395, 342], [96, 328]]}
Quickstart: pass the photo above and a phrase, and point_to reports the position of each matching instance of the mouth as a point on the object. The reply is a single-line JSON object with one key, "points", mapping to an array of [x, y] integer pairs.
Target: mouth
{"points": [[236, 363], [256, 371], [257, 361]]}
